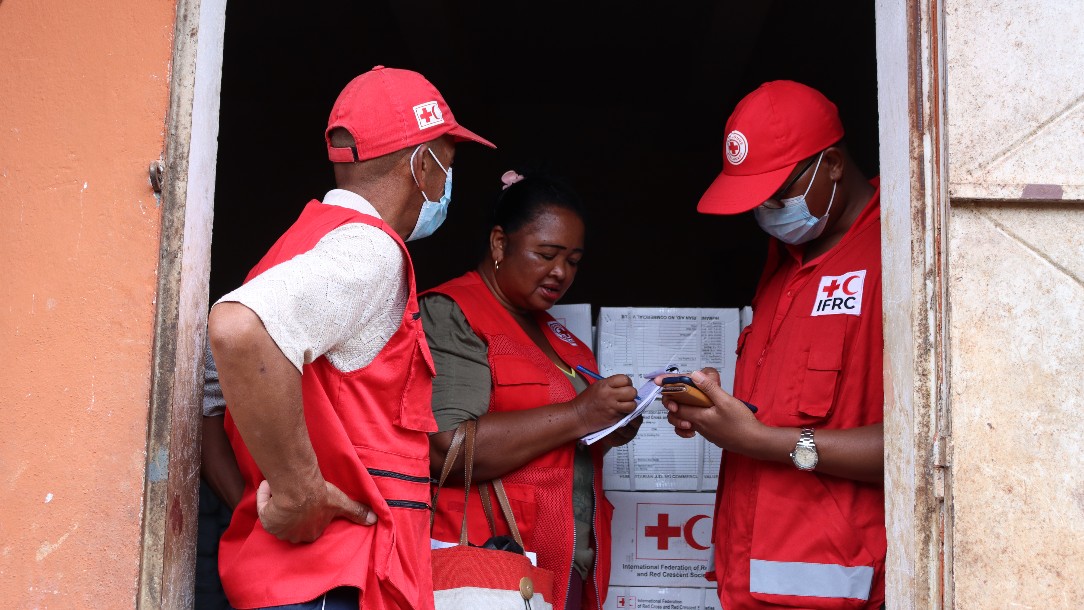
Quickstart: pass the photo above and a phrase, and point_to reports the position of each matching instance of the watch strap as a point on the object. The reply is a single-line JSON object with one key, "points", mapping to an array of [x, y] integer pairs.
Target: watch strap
{"points": [[805, 445]]}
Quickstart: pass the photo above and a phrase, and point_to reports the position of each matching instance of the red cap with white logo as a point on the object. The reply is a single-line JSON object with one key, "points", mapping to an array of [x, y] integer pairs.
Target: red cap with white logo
{"points": [[386, 110], [770, 131]]}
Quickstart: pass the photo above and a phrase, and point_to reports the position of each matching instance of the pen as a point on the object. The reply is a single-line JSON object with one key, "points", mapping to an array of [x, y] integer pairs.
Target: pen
{"points": [[654, 374], [752, 407], [586, 371], [593, 375]]}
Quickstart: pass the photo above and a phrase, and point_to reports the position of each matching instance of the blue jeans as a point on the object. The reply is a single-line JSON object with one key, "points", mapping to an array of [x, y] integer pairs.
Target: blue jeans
{"points": [[339, 598]]}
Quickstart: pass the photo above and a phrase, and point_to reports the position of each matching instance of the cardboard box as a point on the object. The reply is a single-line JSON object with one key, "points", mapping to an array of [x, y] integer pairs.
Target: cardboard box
{"points": [[660, 460], [661, 539]]}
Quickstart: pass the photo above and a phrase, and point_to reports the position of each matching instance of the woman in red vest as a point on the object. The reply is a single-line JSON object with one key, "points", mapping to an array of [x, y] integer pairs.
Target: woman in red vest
{"points": [[502, 360]]}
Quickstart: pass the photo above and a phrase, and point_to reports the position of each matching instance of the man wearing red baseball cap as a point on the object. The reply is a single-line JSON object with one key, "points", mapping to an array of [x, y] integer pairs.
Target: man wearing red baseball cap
{"points": [[800, 516], [326, 374]]}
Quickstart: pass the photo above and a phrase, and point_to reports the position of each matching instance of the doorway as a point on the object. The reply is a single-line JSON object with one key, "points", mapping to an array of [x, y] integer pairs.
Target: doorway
{"points": [[628, 105]]}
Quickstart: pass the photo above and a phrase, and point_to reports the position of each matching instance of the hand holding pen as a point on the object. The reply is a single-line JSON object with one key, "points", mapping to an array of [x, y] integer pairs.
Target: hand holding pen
{"points": [[597, 377], [604, 402]]}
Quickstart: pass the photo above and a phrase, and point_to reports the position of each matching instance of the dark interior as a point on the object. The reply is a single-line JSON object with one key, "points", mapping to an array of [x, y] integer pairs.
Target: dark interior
{"points": [[628, 101]]}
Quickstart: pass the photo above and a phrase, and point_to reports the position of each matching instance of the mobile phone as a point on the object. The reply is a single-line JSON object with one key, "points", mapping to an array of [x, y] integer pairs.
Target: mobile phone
{"points": [[681, 389]]}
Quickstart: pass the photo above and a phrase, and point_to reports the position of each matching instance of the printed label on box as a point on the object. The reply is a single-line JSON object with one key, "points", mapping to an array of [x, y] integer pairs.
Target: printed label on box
{"points": [[661, 598], [661, 539], [639, 340]]}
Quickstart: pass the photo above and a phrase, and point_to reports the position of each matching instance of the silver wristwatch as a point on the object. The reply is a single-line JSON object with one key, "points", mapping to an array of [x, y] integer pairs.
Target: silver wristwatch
{"points": [[805, 455]]}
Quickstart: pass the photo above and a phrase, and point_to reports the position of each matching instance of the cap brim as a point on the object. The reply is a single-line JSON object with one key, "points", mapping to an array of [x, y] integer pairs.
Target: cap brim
{"points": [[730, 194], [462, 134]]}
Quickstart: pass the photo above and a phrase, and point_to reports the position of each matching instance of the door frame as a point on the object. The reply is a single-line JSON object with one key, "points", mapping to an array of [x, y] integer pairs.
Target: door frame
{"points": [[914, 213], [185, 181]]}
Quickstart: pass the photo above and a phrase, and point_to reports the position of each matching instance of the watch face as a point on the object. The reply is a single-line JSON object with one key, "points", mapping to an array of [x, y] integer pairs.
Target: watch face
{"points": [[805, 457]]}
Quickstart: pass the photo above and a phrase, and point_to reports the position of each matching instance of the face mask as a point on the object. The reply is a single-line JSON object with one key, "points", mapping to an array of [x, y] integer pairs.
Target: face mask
{"points": [[433, 212], [792, 223]]}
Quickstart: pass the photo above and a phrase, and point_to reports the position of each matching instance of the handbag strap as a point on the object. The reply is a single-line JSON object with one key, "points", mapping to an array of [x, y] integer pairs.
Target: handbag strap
{"points": [[449, 461], [487, 507], [464, 437], [506, 508], [468, 472]]}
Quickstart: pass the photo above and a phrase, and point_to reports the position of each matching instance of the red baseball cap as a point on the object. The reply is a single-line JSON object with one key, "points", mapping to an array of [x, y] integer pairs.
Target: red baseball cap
{"points": [[770, 131], [386, 110]]}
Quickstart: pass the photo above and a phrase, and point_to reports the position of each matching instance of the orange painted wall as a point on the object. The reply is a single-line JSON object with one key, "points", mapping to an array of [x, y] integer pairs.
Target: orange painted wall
{"points": [[84, 89]]}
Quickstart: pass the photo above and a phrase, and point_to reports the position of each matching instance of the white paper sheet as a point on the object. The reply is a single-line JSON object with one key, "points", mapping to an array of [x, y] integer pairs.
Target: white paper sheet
{"points": [[647, 393]]}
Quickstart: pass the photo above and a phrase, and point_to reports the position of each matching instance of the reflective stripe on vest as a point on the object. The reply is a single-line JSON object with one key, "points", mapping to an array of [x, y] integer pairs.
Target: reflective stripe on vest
{"points": [[809, 579]]}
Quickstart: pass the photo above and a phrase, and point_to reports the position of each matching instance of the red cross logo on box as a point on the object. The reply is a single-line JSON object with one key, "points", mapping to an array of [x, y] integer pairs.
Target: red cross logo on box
{"points": [[674, 531], [428, 115]]}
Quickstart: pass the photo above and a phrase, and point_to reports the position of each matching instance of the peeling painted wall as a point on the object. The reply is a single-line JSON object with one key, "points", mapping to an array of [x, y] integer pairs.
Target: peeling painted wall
{"points": [[1015, 108], [83, 100]]}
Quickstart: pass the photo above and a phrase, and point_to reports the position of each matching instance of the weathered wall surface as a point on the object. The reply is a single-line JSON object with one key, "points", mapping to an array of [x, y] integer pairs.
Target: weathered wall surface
{"points": [[83, 99], [1015, 107], [1017, 355]]}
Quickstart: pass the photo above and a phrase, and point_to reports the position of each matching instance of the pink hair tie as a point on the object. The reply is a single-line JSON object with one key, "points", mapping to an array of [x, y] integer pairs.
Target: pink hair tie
{"points": [[509, 178]]}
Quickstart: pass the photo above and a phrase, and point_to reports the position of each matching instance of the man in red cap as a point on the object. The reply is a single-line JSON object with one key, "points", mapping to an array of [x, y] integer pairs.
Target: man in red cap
{"points": [[326, 374], [800, 513]]}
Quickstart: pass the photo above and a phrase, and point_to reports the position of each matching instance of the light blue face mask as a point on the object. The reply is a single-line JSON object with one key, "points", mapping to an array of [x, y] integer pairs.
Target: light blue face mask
{"points": [[793, 223], [433, 212]]}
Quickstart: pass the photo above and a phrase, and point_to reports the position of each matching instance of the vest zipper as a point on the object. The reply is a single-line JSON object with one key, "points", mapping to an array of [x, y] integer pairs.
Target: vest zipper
{"points": [[408, 504], [593, 575], [402, 477], [572, 562], [398, 475]]}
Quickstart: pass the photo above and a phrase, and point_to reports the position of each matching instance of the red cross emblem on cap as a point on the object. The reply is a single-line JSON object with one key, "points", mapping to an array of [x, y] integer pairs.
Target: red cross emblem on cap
{"points": [[737, 147], [428, 115]]}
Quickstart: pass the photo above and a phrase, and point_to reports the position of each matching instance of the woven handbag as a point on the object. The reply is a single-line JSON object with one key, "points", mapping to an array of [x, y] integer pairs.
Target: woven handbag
{"points": [[467, 577]]}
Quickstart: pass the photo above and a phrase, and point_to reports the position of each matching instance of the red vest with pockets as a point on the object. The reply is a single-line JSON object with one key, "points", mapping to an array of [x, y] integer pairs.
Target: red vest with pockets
{"points": [[540, 492], [787, 538], [369, 429]]}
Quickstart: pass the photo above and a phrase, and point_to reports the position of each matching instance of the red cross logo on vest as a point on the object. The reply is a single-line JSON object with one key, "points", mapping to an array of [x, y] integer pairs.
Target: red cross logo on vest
{"points": [[561, 332], [840, 294]]}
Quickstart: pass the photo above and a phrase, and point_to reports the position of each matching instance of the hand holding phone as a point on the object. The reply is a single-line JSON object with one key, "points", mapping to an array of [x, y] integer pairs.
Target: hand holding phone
{"points": [[681, 389]]}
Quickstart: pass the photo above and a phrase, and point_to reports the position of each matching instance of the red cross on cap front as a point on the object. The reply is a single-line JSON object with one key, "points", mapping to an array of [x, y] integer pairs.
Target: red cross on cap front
{"points": [[385, 110], [769, 132]]}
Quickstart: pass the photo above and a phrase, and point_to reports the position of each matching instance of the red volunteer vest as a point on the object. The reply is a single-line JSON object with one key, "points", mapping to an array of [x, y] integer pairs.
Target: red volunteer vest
{"points": [[812, 358], [541, 491], [370, 431]]}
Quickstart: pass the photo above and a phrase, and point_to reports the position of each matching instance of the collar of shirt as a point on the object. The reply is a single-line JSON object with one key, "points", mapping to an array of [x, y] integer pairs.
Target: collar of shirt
{"points": [[350, 200]]}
